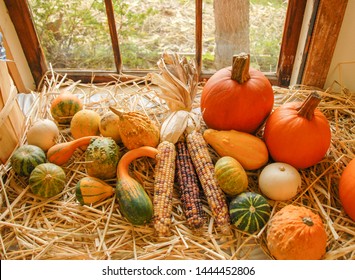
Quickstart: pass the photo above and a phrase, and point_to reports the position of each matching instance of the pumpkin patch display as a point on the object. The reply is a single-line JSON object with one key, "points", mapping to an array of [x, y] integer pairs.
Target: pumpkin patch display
{"points": [[231, 176], [298, 133], [249, 150], [296, 233], [249, 211], [47, 180], [85, 123], [347, 189], [43, 133], [64, 107], [26, 158], [279, 181], [237, 98]]}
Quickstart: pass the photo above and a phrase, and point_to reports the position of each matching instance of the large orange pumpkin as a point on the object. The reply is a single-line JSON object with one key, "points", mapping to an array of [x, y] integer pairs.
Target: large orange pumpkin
{"points": [[237, 97], [298, 133], [296, 233], [347, 189]]}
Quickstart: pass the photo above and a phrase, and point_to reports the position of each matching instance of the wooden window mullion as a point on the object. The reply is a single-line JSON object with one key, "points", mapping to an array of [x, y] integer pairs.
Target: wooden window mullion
{"points": [[198, 35], [114, 36]]}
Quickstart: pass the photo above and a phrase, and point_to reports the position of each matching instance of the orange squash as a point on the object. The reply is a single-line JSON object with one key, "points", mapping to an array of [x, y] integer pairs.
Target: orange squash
{"points": [[85, 123], [347, 189], [298, 133], [237, 98], [296, 233]]}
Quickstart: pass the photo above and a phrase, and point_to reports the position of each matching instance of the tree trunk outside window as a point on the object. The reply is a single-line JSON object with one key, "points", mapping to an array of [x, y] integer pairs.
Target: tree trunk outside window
{"points": [[232, 30]]}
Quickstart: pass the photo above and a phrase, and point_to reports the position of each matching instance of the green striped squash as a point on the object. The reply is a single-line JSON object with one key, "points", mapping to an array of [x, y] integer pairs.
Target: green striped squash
{"points": [[47, 180], [64, 107], [90, 190], [249, 211], [26, 158]]}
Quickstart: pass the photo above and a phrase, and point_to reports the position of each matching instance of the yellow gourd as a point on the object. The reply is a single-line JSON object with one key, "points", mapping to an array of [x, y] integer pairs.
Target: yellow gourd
{"points": [[249, 150]]}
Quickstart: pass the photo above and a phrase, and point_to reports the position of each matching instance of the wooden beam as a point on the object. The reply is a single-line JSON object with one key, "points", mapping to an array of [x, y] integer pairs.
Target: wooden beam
{"points": [[21, 18], [290, 38], [198, 36], [323, 41]]}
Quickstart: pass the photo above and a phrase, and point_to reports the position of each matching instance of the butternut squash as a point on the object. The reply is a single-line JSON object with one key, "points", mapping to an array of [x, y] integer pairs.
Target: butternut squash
{"points": [[60, 153], [249, 150]]}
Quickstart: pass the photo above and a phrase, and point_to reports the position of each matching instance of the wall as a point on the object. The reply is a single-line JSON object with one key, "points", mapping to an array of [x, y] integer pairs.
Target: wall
{"points": [[342, 68]]}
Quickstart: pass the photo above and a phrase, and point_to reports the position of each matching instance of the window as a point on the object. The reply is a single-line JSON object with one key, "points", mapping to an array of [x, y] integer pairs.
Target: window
{"points": [[104, 37]]}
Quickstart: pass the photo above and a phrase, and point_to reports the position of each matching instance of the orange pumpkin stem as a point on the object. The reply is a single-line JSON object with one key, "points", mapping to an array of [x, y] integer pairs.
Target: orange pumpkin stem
{"points": [[240, 68], [306, 110]]}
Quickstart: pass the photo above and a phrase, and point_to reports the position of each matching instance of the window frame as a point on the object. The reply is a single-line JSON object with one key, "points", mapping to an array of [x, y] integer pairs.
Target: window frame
{"points": [[20, 15]]}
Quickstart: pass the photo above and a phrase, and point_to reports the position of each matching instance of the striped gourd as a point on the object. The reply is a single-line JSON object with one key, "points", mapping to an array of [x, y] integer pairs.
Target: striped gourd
{"points": [[90, 190], [26, 158], [64, 107], [249, 211], [47, 180]]}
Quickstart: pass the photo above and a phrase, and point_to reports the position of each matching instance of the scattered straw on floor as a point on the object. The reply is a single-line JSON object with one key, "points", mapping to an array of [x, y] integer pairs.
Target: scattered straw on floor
{"points": [[60, 228]]}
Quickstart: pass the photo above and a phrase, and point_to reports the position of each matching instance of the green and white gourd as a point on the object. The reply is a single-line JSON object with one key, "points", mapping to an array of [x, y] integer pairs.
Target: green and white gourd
{"points": [[249, 211]]}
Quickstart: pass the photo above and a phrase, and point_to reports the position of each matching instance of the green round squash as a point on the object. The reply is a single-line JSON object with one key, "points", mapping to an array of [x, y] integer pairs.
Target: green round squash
{"points": [[249, 211], [102, 156], [231, 176], [47, 180], [64, 107], [26, 158]]}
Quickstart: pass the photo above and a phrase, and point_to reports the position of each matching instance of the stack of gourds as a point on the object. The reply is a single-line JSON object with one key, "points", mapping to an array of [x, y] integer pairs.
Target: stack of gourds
{"points": [[241, 125]]}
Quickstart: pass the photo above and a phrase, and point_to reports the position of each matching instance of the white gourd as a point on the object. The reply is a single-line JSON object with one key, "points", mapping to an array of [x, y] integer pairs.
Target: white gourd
{"points": [[43, 133], [279, 181]]}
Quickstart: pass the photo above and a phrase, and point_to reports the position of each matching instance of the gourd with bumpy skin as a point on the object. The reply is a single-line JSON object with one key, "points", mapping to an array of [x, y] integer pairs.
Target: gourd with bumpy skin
{"points": [[296, 233], [90, 190], [249, 212], [26, 158], [231, 176], [102, 156], [64, 107], [237, 97], [249, 150], [134, 203], [137, 130], [47, 180]]}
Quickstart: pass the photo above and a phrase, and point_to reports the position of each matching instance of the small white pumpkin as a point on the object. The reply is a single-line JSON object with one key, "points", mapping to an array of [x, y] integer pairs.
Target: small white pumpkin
{"points": [[279, 181], [43, 133]]}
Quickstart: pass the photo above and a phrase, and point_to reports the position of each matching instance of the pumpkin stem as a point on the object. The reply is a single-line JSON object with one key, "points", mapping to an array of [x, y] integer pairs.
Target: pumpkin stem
{"points": [[308, 221], [306, 110], [240, 68]]}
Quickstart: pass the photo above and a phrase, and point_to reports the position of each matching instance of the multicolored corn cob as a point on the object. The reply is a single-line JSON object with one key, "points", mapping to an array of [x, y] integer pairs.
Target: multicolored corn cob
{"points": [[163, 187], [204, 167], [188, 185]]}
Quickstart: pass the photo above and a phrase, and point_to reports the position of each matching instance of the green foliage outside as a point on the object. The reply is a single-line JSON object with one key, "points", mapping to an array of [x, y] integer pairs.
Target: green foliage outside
{"points": [[75, 34]]}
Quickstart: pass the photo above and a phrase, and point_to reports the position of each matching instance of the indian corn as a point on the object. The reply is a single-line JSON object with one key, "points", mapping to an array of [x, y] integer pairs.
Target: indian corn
{"points": [[205, 170], [188, 185], [163, 187]]}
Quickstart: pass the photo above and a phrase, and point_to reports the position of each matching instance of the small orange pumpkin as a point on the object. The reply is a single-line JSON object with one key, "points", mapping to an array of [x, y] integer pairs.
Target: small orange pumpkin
{"points": [[237, 98], [298, 133], [347, 189], [296, 233]]}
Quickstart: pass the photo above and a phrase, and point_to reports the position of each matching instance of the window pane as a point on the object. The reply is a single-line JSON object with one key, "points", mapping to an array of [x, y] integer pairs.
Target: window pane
{"points": [[148, 28], [262, 39], [74, 34]]}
